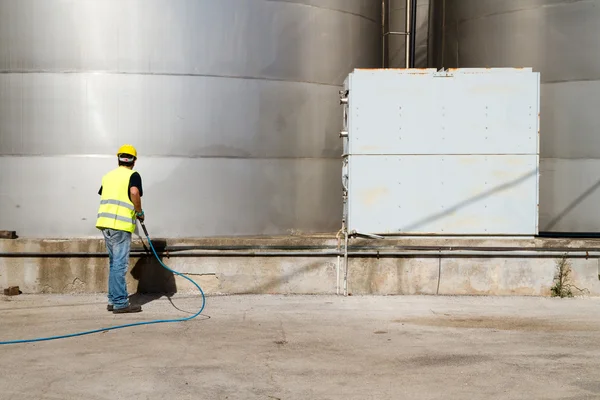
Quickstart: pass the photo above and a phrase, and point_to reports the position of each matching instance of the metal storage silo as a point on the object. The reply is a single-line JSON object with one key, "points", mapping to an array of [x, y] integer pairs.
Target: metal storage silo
{"points": [[559, 39], [232, 104]]}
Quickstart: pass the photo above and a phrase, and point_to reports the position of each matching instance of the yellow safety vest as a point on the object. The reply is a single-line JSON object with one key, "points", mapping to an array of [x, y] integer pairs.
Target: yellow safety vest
{"points": [[116, 210]]}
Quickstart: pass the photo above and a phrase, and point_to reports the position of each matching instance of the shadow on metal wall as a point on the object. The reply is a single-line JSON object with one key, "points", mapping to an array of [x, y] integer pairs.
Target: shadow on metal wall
{"points": [[472, 200], [550, 225]]}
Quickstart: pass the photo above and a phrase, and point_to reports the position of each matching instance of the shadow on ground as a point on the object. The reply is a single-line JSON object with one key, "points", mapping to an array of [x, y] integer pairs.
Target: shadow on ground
{"points": [[154, 281]]}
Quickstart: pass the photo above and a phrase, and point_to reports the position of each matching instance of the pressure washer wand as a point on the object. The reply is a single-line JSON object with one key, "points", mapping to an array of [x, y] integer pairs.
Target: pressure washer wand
{"points": [[147, 237], [144, 228]]}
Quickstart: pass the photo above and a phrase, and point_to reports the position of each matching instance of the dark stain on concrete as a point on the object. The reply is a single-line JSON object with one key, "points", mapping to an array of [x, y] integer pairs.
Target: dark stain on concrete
{"points": [[504, 323], [54, 273], [371, 286], [400, 273], [554, 357], [590, 386], [446, 360]]}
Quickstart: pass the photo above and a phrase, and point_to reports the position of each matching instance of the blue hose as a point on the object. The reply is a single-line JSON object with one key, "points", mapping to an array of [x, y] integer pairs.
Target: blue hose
{"points": [[158, 321]]}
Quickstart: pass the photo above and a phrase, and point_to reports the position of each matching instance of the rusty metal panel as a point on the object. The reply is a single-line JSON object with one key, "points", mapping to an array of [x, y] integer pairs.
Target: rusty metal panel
{"points": [[442, 153]]}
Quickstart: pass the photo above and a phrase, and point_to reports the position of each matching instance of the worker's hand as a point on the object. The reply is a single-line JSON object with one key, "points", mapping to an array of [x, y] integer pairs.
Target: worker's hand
{"points": [[140, 216]]}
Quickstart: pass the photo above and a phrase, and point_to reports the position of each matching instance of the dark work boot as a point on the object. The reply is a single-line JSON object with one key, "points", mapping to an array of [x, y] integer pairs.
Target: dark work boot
{"points": [[109, 307], [129, 309]]}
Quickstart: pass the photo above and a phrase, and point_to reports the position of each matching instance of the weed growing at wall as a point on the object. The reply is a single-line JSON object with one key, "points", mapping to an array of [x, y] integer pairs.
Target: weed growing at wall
{"points": [[562, 280]]}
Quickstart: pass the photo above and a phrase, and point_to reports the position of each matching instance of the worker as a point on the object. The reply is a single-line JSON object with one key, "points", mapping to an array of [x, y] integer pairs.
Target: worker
{"points": [[120, 205]]}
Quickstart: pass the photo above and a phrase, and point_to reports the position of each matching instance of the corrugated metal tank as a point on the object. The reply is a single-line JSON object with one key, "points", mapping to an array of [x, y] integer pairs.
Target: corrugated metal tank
{"points": [[398, 24], [232, 104], [559, 39]]}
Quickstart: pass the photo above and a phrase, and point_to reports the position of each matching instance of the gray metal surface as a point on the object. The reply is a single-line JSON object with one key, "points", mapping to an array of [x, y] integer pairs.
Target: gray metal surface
{"points": [[461, 112], [559, 39], [450, 153], [439, 195], [232, 105], [398, 24]]}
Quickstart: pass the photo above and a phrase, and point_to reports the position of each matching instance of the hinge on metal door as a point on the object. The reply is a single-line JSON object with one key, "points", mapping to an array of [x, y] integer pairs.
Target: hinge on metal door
{"points": [[344, 96]]}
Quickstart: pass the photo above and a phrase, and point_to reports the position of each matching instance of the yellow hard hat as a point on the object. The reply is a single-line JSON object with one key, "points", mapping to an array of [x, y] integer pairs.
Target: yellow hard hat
{"points": [[127, 149]]}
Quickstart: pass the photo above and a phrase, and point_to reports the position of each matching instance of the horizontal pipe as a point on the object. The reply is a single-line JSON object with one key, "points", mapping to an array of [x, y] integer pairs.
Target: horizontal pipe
{"points": [[172, 249], [570, 235], [239, 248], [492, 249], [396, 33], [62, 255], [182, 254], [388, 254], [356, 254]]}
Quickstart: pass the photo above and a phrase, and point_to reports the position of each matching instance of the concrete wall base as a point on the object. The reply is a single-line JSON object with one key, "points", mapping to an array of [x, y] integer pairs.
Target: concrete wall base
{"points": [[297, 275]]}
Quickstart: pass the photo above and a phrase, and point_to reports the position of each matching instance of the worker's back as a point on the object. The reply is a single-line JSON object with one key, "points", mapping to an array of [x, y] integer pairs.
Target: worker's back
{"points": [[116, 209]]}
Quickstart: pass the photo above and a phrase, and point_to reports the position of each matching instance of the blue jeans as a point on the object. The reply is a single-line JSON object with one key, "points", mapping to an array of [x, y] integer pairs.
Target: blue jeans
{"points": [[118, 244]]}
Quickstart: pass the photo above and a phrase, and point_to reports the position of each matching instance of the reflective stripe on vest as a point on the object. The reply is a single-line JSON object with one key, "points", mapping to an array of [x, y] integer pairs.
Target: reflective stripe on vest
{"points": [[115, 216], [116, 210], [118, 203]]}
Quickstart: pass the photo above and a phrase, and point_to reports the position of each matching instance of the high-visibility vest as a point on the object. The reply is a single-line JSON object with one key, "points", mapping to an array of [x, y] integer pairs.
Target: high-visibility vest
{"points": [[116, 210]]}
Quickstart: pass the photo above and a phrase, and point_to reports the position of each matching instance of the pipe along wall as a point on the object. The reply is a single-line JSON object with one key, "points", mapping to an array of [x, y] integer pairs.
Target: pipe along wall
{"points": [[308, 266]]}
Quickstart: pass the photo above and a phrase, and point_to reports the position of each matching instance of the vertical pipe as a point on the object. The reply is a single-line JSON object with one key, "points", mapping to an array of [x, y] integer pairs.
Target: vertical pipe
{"points": [[442, 60], [407, 38], [413, 32], [429, 33], [346, 262], [437, 292], [337, 277], [434, 35], [384, 30]]}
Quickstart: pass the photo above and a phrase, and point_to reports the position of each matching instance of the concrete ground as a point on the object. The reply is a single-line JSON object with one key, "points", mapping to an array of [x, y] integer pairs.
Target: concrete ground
{"points": [[305, 347]]}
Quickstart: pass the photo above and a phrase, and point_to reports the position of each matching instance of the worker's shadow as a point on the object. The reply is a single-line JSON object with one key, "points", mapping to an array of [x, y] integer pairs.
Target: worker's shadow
{"points": [[154, 281]]}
